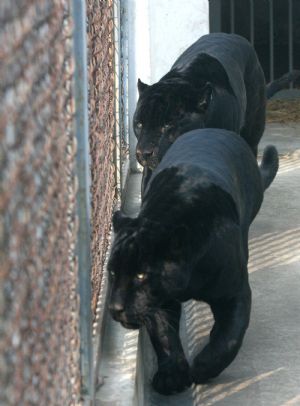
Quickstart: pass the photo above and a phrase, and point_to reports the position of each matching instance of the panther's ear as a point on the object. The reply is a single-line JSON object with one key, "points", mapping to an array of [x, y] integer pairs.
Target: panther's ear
{"points": [[141, 86], [119, 220], [205, 97]]}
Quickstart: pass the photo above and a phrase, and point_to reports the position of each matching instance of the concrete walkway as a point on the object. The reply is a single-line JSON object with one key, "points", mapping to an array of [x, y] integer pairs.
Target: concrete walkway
{"points": [[267, 370]]}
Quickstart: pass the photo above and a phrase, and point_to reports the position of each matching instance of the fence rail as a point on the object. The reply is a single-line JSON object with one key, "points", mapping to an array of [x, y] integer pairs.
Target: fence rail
{"points": [[271, 26]]}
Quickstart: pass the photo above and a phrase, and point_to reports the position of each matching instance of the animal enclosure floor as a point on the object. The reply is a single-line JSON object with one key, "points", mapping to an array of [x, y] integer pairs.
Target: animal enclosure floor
{"points": [[284, 107], [266, 371], [283, 111]]}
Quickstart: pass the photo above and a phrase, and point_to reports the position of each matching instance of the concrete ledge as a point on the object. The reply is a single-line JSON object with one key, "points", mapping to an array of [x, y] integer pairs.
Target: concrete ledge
{"points": [[117, 366]]}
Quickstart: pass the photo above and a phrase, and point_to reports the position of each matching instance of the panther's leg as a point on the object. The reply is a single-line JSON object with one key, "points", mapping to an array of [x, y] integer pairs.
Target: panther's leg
{"points": [[173, 373], [231, 321], [147, 172], [255, 116]]}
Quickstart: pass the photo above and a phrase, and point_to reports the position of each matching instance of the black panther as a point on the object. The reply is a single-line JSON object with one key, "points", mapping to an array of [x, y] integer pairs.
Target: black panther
{"points": [[217, 82], [190, 241]]}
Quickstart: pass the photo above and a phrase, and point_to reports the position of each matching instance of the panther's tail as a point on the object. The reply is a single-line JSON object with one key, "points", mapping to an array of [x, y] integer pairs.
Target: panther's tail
{"points": [[269, 165], [281, 83]]}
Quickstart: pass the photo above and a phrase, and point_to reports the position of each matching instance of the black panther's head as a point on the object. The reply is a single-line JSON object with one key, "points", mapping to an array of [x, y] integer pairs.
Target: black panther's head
{"points": [[167, 109], [148, 267]]}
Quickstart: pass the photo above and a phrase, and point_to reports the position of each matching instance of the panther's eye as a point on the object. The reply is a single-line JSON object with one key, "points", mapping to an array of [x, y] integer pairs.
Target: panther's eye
{"points": [[139, 125], [141, 276], [166, 127]]}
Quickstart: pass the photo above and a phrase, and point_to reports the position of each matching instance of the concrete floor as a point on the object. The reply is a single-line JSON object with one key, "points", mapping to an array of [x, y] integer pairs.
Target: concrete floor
{"points": [[266, 372]]}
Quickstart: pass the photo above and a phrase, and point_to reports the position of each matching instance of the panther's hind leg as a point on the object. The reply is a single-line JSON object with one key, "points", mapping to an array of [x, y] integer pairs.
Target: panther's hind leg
{"points": [[255, 117], [231, 321]]}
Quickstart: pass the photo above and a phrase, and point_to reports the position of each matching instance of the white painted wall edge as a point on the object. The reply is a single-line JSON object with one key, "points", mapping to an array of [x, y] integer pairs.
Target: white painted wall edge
{"points": [[158, 32]]}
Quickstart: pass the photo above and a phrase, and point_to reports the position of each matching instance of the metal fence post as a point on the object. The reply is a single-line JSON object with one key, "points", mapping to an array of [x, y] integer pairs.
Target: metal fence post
{"points": [[232, 16], [252, 22], [118, 112], [124, 52], [215, 15], [83, 195], [290, 23], [271, 18]]}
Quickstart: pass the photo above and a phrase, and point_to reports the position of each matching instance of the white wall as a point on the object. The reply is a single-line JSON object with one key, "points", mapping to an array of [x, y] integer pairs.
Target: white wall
{"points": [[159, 31], [174, 25], [138, 58]]}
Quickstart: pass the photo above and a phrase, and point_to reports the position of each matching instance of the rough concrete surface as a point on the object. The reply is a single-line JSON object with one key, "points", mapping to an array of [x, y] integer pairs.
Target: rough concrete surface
{"points": [[266, 371]]}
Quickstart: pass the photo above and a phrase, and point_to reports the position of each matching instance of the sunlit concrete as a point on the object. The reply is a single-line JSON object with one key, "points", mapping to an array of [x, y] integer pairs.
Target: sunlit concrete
{"points": [[267, 370]]}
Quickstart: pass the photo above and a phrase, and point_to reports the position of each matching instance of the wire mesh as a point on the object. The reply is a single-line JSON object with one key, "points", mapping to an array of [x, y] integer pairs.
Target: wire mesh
{"points": [[39, 339], [123, 95], [101, 123]]}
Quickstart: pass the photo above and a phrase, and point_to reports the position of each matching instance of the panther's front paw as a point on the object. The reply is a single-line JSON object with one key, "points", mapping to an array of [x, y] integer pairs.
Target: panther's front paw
{"points": [[205, 367], [172, 378]]}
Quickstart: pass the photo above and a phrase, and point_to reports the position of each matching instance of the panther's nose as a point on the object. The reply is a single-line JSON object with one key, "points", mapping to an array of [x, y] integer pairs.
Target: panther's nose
{"points": [[116, 307], [144, 155]]}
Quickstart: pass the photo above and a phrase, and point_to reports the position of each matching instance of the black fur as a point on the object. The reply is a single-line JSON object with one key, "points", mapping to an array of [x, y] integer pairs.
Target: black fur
{"points": [[216, 83], [282, 82], [190, 241]]}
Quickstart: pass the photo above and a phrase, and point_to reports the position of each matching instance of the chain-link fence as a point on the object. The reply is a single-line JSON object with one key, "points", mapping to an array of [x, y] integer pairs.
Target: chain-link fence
{"points": [[41, 323], [39, 339], [101, 123], [121, 94]]}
